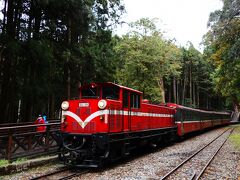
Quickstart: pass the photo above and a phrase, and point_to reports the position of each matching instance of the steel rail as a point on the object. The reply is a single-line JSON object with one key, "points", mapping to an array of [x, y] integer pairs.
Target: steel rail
{"points": [[52, 173], [210, 160], [62, 170], [193, 175], [190, 157], [74, 175]]}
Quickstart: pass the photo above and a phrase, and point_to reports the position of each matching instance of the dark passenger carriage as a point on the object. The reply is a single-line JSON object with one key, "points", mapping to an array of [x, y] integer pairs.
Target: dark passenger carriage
{"points": [[190, 120]]}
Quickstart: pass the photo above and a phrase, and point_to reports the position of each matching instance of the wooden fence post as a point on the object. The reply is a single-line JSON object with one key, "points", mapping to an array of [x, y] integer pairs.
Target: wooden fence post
{"points": [[29, 142], [9, 147], [47, 134]]}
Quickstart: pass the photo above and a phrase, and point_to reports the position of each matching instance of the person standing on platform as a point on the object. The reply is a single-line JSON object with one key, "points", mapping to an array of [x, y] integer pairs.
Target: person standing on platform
{"points": [[40, 120]]}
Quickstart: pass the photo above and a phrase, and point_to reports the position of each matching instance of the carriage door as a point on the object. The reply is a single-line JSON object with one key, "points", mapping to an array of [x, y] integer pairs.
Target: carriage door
{"points": [[126, 111]]}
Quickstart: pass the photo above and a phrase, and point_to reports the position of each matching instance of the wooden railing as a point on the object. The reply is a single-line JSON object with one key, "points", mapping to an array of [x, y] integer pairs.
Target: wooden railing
{"points": [[20, 141]]}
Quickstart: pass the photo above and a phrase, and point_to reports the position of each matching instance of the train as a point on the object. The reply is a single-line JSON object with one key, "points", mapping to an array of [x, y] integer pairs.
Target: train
{"points": [[108, 121]]}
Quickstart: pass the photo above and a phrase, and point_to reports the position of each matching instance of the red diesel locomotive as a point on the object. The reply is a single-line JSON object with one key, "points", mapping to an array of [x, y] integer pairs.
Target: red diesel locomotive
{"points": [[109, 120]]}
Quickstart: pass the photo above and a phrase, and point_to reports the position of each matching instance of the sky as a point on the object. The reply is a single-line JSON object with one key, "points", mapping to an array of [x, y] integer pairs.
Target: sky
{"points": [[184, 20]]}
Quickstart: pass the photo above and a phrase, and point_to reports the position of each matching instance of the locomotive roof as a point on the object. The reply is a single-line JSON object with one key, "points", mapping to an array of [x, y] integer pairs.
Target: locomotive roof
{"points": [[112, 84], [192, 109]]}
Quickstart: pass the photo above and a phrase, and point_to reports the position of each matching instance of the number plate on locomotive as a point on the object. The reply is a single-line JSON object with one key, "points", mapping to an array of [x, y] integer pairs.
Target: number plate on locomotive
{"points": [[83, 104]]}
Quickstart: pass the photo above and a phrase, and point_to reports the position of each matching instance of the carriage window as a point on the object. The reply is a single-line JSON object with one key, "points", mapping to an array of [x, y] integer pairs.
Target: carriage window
{"points": [[110, 92], [135, 100], [90, 92], [125, 99], [187, 115]]}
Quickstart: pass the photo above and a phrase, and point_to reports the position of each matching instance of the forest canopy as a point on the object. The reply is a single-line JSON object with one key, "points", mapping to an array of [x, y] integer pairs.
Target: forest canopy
{"points": [[48, 48], [222, 48]]}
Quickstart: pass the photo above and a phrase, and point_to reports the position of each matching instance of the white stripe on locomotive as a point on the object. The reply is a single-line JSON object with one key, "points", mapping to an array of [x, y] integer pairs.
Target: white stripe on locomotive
{"points": [[111, 112]]}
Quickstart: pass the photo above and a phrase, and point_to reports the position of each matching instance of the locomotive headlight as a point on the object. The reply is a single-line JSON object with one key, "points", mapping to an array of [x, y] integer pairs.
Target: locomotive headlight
{"points": [[65, 105], [102, 104]]}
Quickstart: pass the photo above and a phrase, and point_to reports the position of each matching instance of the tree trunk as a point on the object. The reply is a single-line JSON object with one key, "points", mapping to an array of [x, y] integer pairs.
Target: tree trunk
{"points": [[30, 19], [194, 94], [207, 103], [174, 90], [161, 87], [178, 92], [7, 80], [190, 83], [184, 87], [52, 106], [197, 95], [10, 22], [37, 16], [68, 58], [4, 17], [18, 18], [236, 113], [170, 93]]}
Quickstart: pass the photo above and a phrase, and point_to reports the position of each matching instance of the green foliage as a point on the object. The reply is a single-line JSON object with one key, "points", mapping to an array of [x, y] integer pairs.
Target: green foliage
{"points": [[235, 138], [34, 78], [49, 42], [145, 58], [45, 44], [20, 160], [223, 42], [3, 162], [148, 62]]}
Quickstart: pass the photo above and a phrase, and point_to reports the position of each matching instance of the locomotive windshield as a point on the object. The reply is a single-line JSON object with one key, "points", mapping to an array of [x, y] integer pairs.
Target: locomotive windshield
{"points": [[108, 92], [90, 92]]}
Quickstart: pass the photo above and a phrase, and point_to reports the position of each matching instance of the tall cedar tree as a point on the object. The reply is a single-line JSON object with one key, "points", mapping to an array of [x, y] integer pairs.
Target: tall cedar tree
{"points": [[48, 48]]}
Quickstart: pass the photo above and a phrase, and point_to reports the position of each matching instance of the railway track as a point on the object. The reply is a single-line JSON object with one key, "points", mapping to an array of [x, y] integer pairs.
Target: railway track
{"points": [[61, 174], [195, 165]]}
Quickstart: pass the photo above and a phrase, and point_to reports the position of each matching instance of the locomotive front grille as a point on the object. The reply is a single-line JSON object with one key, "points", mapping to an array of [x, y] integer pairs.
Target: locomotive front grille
{"points": [[83, 111], [91, 127]]}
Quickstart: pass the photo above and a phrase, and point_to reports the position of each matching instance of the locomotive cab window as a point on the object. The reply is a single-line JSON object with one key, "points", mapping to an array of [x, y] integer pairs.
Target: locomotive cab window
{"points": [[110, 92], [135, 100]]}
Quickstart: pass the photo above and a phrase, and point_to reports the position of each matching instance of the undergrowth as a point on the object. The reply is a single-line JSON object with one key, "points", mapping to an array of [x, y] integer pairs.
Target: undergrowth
{"points": [[3, 162], [235, 138], [20, 160]]}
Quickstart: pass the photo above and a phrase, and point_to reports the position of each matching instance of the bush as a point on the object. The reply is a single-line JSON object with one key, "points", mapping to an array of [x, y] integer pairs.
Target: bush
{"points": [[235, 138]]}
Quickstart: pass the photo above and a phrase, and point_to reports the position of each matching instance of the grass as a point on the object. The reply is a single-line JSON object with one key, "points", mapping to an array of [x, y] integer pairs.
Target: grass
{"points": [[235, 138], [20, 160], [3, 162]]}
